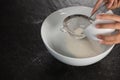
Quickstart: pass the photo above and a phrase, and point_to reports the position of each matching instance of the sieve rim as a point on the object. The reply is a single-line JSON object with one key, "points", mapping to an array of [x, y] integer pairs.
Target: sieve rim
{"points": [[71, 16]]}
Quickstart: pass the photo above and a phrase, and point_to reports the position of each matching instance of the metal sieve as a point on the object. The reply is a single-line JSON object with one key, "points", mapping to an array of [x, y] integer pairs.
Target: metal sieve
{"points": [[76, 24]]}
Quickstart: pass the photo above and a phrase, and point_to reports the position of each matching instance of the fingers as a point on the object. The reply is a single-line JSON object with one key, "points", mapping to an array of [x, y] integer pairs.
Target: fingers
{"points": [[108, 17], [110, 3], [98, 3], [115, 5], [109, 39], [108, 42], [106, 37], [115, 25], [109, 26]]}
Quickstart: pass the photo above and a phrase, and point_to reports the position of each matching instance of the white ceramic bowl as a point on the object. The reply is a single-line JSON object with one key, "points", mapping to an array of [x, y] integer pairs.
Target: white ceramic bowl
{"points": [[52, 35]]}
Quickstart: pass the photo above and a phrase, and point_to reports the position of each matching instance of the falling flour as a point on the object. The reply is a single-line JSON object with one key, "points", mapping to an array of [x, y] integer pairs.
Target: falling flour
{"points": [[82, 48], [79, 33], [67, 45]]}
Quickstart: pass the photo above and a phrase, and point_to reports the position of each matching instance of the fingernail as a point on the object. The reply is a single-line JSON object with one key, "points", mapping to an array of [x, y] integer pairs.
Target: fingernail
{"points": [[101, 42], [109, 5], [98, 16], [99, 36]]}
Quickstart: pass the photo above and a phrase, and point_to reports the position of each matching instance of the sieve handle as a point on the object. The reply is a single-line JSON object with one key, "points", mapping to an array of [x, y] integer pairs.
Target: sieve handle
{"points": [[102, 8]]}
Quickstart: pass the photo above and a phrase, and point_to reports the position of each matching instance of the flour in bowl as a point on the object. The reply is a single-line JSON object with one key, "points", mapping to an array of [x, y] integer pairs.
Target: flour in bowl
{"points": [[82, 48]]}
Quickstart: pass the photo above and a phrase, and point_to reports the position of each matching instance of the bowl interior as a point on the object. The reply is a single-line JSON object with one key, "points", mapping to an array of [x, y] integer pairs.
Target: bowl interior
{"points": [[63, 43]]}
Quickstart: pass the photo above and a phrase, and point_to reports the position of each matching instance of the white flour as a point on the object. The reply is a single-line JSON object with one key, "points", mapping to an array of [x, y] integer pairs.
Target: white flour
{"points": [[82, 48], [69, 46], [78, 31], [78, 48]]}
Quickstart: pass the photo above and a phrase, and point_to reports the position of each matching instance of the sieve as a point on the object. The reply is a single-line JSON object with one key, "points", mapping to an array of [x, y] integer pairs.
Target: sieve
{"points": [[76, 24]]}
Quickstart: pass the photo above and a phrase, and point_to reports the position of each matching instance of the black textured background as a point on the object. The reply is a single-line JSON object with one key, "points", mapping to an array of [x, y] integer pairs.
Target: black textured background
{"points": [[23, 55]]}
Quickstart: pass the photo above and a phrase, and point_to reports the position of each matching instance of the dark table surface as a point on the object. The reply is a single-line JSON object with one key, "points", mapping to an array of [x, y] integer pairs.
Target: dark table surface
{"points": [[23, 56]]}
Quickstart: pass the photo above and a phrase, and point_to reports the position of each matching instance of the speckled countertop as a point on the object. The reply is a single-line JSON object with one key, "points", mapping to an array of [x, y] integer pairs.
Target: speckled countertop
{"points": [[23, 55]]}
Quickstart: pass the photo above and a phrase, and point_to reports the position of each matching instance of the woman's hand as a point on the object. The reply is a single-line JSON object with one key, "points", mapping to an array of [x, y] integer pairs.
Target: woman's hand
{"points": [[109, 39], [111, 4]]}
